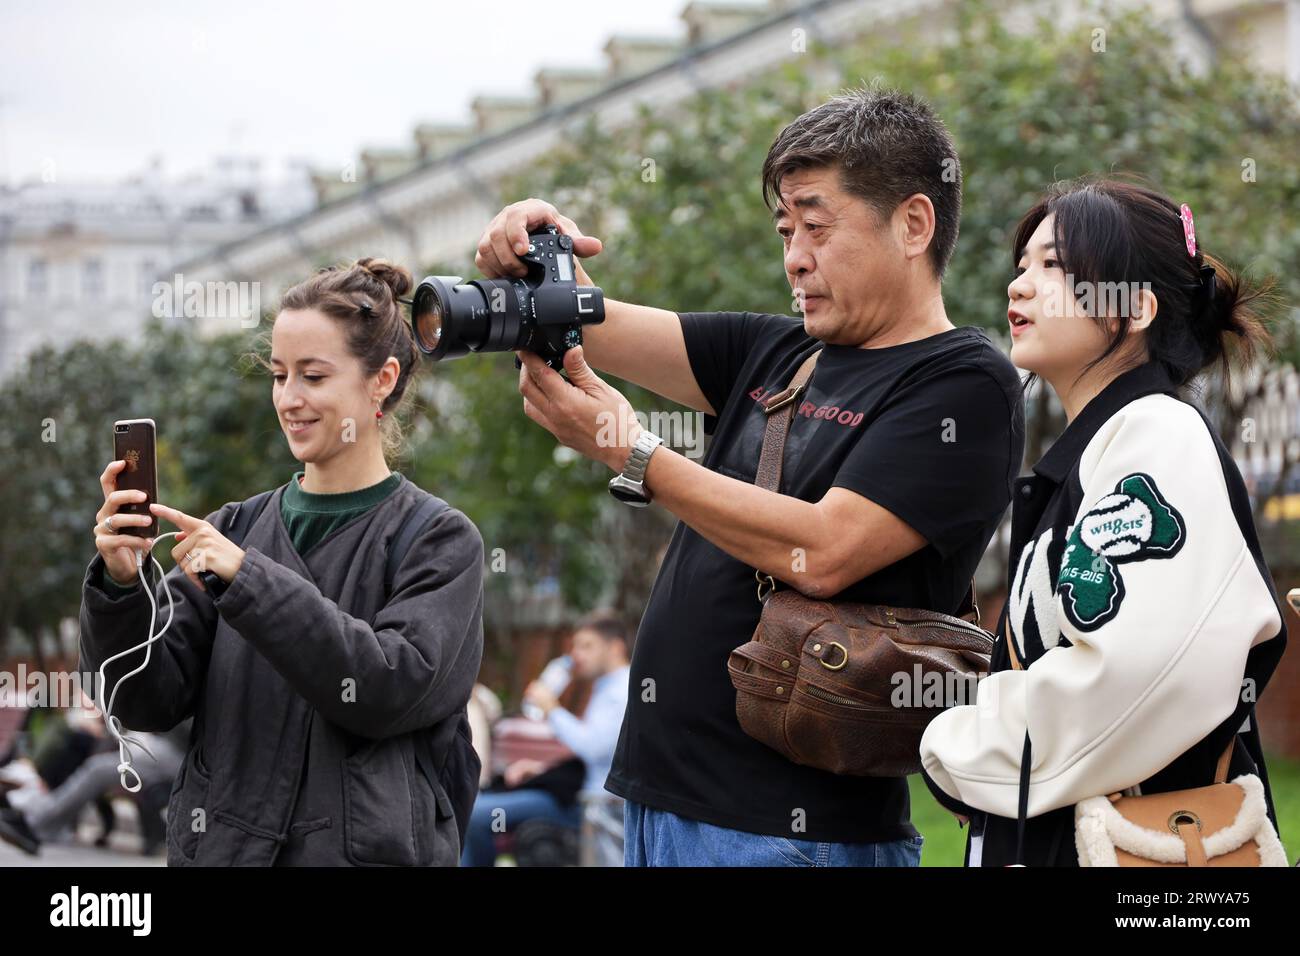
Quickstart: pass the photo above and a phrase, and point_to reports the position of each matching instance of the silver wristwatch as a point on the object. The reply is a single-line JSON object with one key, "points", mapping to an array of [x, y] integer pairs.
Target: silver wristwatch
{"points": [[629, 487]]}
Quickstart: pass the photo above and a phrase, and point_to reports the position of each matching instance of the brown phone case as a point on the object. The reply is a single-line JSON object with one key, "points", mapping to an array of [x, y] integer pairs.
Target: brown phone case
{"points": [[135, 442]]}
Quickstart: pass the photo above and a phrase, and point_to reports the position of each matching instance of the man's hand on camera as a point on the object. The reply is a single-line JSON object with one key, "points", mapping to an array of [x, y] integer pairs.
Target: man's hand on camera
{"points": [[506, 239], [584, 413]]}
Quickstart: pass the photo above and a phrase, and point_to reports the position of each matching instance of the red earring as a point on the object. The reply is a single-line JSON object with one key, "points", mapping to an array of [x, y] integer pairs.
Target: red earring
{"points": [[379, 413]]}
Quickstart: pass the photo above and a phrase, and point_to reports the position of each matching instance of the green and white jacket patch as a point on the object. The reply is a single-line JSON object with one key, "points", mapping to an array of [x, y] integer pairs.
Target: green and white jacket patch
{"points": [[1133, 523]]}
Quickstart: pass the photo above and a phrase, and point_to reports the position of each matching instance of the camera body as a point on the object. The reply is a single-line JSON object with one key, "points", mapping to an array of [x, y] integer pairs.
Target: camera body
{"points": [[543, 312]]}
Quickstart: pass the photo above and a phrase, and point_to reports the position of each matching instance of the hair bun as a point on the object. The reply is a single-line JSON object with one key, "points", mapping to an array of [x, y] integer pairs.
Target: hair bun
{"points": [[397, 278], [1233, 305]]}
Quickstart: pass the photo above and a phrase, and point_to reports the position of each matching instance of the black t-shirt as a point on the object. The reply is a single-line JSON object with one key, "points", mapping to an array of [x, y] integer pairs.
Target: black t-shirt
{"points": [[932, 430]]}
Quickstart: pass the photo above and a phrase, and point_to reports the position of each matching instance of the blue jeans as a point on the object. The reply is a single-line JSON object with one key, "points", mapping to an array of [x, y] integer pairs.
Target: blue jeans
{"points": [[516, 806], [659, 838]]}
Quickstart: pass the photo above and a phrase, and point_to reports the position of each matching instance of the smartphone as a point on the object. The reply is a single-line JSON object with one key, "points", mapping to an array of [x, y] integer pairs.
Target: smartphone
{"points": [[135, 442]]}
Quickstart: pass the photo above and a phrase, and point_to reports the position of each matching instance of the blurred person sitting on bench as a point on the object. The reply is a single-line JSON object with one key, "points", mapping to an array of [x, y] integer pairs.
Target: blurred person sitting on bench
{"points": [[532, 790], [38, 818]]}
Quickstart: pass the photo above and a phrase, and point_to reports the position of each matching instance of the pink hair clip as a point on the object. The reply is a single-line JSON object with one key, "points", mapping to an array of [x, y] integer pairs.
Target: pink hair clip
{"points": [[1189, 230]]}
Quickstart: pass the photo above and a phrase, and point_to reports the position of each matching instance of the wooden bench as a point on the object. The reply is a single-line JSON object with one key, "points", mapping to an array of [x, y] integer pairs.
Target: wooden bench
{"points": [[518, 738]]}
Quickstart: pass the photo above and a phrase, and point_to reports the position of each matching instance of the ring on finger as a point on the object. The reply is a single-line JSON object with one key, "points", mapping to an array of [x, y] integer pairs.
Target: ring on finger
{"points": [[108, 523]]}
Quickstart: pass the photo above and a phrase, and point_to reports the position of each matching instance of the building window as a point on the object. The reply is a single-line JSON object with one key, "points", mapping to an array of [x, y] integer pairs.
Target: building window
{"points": [[38, 279], [148, 276], [92, 279]]}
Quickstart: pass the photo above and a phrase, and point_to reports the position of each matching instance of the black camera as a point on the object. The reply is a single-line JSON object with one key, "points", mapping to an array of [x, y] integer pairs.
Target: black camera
{"points": [[543, 312]]}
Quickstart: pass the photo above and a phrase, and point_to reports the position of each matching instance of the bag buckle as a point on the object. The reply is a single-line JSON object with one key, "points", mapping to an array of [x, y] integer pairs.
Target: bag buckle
{"points": [[764, 579], [790, 395], [843, 660]]}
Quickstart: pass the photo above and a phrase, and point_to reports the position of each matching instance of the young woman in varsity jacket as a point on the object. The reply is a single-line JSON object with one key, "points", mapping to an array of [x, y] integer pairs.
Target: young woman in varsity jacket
{"points": [[1139, 603], [328, 698]]}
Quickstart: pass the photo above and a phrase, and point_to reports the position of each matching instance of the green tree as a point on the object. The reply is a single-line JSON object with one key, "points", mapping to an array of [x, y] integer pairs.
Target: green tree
{"points": [[218, 440]]}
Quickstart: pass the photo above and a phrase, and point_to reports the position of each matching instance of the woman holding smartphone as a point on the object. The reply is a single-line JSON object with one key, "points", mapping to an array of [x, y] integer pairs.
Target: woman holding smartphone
{"points": [[1141, 622], [329, 702]]}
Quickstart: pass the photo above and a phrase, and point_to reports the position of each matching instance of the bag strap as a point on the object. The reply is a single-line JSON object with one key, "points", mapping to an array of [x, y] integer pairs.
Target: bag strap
{"points": [[415, 522], [1026, 755], [1022, 809], [1011, 645], [245, 516], [784, 402], [1221, 771], [780, 409]]}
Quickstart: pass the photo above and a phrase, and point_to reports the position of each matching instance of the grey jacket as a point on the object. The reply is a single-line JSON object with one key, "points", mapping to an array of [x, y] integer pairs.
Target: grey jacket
{"points": [[321, 713]]}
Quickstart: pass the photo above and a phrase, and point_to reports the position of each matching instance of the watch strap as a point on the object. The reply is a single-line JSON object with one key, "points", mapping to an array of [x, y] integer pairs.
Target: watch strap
{"points": [[639, 459]]}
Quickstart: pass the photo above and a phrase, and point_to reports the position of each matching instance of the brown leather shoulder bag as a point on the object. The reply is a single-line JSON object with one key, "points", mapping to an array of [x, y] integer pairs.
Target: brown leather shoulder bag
{"points": [[843, 686]]}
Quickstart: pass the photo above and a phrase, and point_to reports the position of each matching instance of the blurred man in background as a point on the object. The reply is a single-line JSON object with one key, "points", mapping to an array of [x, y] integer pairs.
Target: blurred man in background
{"points": [[534, 791]]}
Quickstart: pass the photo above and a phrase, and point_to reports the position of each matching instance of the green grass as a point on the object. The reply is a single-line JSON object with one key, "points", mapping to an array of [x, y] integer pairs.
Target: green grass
{"points": [[945, 842], [1284, 781]]}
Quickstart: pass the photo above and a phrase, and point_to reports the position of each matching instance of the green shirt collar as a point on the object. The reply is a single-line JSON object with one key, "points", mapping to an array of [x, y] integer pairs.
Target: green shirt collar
{"points": [[299, 500]]}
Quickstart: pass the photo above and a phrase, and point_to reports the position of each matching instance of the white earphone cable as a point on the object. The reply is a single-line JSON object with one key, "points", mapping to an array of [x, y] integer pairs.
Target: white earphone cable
{"points": [[124, 739]]}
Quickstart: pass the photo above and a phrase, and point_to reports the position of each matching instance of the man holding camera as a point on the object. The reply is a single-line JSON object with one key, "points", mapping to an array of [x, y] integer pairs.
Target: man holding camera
{"points": [[898, 467]]}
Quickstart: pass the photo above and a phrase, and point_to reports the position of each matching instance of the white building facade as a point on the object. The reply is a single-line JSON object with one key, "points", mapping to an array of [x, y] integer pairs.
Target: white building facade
{"points": [[82, 260]]}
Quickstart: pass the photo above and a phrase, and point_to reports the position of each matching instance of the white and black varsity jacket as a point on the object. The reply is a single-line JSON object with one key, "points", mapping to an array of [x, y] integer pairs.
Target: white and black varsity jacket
{"points": [[1145, 617]]}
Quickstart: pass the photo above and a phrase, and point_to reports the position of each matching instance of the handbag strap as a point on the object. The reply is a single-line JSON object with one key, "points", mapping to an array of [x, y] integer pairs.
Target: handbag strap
{"points": [[1221, 771], [1011, 641], [1022, 808], [780, 409], [1026, 756]]}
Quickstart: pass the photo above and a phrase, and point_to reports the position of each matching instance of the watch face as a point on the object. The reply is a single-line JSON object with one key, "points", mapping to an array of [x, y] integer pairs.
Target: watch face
{"points": [[627, 495]]}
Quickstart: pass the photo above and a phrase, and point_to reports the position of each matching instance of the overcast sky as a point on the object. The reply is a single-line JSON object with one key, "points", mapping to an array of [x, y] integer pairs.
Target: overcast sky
{"points": [[98, 88]]}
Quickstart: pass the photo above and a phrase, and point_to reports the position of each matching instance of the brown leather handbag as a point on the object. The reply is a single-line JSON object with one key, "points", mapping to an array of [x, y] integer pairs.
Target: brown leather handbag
{"points": [[1224, 824], [843, 686]]}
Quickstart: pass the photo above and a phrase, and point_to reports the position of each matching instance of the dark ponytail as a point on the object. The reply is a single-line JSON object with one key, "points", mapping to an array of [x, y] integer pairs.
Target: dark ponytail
{"points": [[1229, 325]]}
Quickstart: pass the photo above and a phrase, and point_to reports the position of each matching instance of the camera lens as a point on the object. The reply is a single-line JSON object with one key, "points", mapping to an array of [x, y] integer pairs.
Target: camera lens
{"points": [[428, 327], [447, 317], [451, 317]]}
